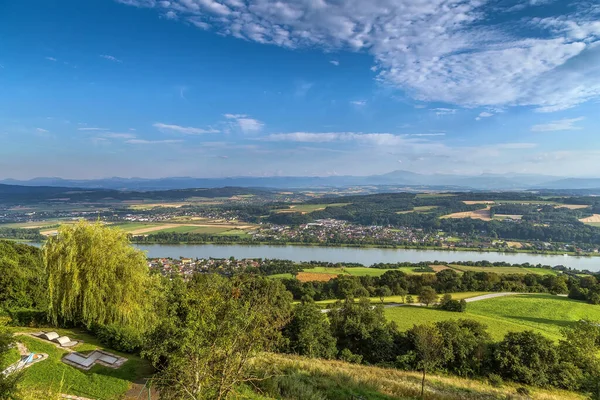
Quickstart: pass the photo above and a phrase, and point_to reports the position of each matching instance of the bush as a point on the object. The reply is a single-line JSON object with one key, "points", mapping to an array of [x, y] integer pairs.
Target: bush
{"points": [[120, 338], [495, 380], [27, 317], [523, 391], [348, 356], [448, 304]]}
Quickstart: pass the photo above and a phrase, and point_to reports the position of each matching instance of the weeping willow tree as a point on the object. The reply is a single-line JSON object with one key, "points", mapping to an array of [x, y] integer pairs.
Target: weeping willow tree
{"points": [[95, 277]]}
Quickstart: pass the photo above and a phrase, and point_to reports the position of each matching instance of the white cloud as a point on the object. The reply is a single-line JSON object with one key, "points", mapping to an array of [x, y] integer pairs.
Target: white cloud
{"points": [[359, 103], [113, 135], [51, 59], [142, 141], [380, 139], [187, 130], [335, 62], [559, 125], [110, 58], [435, 50], [41, 130], [484, 114], [92, 129], [444, 111], [245, 123]]}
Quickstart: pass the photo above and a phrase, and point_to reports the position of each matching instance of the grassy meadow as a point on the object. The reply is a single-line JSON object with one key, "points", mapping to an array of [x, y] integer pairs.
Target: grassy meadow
{"points": [[292, 377], [545, 314]]}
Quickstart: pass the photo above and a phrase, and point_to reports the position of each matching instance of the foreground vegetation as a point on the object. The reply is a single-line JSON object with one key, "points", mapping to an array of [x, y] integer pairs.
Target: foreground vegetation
{"points": [[205, 336]]}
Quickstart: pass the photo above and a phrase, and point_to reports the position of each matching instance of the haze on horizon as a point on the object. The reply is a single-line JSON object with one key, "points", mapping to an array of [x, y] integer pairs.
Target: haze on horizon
{"points": [[216, 88]]}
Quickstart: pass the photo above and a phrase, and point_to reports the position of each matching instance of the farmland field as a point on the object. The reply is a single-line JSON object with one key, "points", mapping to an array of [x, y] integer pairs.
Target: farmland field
{"points": [[545, 314], [594, 220], [358, 271], [505, 270], [308, 208], [477, 214], [420, 209]]}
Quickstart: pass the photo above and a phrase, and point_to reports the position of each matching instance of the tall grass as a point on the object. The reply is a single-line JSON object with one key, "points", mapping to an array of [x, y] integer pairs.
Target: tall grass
{"points": [[290, 377]]}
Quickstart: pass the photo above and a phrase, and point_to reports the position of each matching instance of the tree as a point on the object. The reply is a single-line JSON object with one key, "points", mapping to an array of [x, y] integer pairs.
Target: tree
{"points": [[95, 277], [22, 276], [526, 357], [465, 343], [402, 293], [382, 292], [203, 344], [363, 329], [427, 295], [308, 333], [8, 384], [428, 345]]}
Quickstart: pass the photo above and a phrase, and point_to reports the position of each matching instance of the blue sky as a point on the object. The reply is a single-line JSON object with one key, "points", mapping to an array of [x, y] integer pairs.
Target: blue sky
{"points": [[213, 88]]}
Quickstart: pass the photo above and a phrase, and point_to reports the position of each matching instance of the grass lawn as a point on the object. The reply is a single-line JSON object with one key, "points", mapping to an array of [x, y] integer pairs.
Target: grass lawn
{"points": [[545, 314], [505, 270], [98, 383], [593, 223]]}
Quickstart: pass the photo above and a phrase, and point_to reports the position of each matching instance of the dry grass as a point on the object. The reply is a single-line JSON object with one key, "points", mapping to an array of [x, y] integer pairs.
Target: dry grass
{"points": [[516, 245], [507, 216], [594, 219], [395, 384], [483, 215], [438, 268], [470, 202], [573, 206], [315, 277]]}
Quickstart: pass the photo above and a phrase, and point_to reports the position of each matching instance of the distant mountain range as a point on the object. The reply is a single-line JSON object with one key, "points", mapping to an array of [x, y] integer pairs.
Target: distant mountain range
{"points": [[395, 178]]}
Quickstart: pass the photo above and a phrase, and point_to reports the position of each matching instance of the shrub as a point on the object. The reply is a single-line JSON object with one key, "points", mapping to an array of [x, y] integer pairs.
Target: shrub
{"points": [[523, 391], [495, 380], [27, 317], [348, 356], [120, 338]]}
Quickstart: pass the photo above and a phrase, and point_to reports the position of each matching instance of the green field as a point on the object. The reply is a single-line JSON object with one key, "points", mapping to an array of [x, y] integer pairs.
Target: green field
{"points": [[432, 195], [398, 299], [358, 271], [545, 314], [505, 270], [196, 229], [133, 226], [593, 223], [308, 208], [98, 383]]}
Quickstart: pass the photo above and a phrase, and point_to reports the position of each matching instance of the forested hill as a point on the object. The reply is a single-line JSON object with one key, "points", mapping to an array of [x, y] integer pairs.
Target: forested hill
{"points": [[31, 194]]}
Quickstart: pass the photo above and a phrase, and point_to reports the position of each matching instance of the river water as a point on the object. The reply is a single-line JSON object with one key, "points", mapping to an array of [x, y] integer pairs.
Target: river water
{"points": [[365, 256]]}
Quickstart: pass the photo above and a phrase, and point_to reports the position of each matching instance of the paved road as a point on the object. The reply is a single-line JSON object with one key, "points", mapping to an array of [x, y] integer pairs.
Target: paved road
{"points": [[469, 300]]}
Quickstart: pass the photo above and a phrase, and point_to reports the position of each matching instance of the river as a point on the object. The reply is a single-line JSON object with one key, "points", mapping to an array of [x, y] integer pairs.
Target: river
{"points": [[365, 256]]}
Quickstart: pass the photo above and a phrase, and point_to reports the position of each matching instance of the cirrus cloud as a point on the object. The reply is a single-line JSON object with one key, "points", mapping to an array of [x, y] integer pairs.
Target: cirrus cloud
{"points": [[435, 50]]}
